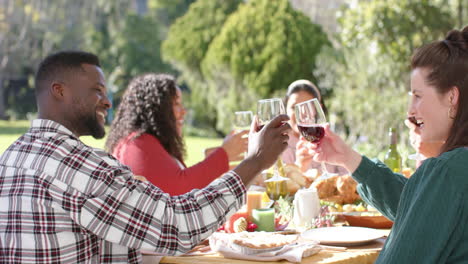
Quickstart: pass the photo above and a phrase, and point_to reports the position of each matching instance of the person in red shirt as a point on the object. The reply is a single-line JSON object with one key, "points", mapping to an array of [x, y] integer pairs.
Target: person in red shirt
{"points": [[146, 135]]}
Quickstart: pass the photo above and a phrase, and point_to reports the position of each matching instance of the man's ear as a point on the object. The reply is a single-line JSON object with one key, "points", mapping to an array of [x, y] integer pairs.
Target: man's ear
{"points": [[57, 90]]}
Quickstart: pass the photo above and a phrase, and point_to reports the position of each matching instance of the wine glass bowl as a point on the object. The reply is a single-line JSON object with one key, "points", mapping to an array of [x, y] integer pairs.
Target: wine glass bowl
{"points": [[267, 109], [242, 120], [311, 122], [312, 133]]}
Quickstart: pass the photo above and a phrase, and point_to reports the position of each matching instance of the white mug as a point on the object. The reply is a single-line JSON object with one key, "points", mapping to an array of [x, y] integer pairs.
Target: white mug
{"points": [[306, 207]]}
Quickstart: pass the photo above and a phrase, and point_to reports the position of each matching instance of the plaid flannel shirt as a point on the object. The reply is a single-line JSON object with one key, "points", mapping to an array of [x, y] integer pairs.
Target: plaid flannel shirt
{"points": [[64, 202]]}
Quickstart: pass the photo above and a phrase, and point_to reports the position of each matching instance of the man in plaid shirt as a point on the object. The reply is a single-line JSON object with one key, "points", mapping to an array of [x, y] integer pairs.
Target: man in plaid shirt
{"points": [[64, 202]]}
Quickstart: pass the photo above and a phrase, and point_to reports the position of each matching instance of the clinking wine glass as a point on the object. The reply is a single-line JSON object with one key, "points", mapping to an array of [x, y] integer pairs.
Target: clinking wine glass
{"points": [[276, 184], [310, 122], [242, 121]]}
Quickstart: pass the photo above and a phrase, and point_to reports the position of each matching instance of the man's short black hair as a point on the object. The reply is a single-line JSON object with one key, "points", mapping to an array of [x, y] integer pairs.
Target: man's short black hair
{"points": [[56, 66]]}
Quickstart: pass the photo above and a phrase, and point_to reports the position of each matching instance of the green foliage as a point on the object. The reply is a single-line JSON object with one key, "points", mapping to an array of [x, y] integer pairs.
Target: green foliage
{"points": [[134, 45], [262, 48], [369, 76], [190, 36], [28, 34], [368, 96], [185, 47], [396, 27], [267, 45], [169, 10]]}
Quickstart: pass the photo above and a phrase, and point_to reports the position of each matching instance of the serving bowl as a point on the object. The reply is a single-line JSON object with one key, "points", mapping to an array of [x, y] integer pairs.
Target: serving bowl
{"points": [[367, 219]]}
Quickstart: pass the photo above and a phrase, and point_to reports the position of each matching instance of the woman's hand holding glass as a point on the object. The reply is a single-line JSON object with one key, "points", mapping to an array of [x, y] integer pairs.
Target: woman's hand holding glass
{"points": [[242, 122], [333, 150], [311, 120], [303, 155], [235, 145]]}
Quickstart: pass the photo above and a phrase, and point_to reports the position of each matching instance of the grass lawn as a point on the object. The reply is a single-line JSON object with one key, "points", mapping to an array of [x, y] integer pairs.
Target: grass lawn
{"points": [[10, 131]]}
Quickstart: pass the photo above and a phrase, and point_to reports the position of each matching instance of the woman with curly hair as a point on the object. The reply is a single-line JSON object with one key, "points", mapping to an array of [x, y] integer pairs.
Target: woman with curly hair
{"points": [[146, 135]]}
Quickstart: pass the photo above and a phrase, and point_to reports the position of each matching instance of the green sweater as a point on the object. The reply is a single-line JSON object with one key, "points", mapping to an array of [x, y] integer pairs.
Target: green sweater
{"points": [[430, 209]]}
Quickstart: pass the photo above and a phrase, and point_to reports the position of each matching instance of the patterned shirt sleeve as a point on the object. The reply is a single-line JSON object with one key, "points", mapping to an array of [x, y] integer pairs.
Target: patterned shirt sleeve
{"points": [[137, 214], [63, 201]]}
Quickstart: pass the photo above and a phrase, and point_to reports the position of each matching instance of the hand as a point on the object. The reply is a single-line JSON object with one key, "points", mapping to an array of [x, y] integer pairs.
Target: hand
{"points": [[267, 144], [235, 145], [264, 147], [332, 149], [303, 155], [426, 148]]}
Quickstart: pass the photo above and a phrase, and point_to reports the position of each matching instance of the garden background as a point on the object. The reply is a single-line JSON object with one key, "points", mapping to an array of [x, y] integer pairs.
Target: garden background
{"points": [[227, 54]]}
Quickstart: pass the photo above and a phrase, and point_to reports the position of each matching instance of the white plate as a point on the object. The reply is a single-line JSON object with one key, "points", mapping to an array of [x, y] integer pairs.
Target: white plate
{"points": [[343, 235]]}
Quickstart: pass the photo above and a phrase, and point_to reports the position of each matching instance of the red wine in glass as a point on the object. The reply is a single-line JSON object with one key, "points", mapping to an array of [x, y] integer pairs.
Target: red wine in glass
{"points": [[312, 133], [311, 123]]}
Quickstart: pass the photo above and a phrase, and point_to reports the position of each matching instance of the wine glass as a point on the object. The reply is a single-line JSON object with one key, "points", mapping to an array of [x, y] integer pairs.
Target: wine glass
{"points": [[242, 120], [267, 109], [310, 122]]}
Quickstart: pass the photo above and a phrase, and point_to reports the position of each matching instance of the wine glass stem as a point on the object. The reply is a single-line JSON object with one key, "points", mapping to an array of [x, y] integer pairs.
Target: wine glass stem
{"points": [[279, 167], [324, 168]]}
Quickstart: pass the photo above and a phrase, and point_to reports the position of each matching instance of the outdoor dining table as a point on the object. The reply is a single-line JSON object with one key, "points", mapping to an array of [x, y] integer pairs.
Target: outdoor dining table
{"points": [[362, 254]]}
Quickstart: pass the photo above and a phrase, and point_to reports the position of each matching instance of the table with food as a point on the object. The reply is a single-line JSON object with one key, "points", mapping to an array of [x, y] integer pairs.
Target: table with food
{"points": [[315, 220]]}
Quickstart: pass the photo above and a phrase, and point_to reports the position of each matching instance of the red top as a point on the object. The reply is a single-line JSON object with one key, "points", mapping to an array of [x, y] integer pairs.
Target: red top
{"points": [[147, 157]]}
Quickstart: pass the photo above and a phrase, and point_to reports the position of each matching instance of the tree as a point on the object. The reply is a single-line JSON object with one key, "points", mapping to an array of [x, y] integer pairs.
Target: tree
{"points": [[395, 27], [133, 48], [30, 32], [186, 45], [369, 74], [262, 48], [167, 11], [190, 36]]}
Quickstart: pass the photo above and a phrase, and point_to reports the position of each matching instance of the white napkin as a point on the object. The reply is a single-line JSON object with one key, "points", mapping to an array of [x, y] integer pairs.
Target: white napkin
{"points": [[221, 243]]}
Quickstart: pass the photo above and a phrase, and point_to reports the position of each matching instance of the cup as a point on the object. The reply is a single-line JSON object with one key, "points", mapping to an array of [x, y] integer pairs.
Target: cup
{"points": [[264, 219], [254, 201], [306, 207]]}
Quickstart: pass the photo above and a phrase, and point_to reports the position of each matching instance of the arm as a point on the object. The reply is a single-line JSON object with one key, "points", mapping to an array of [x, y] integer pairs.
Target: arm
{"points": [[379, 186], [372, 178], [146, 156], [431, 221], [139, 215], [305, 161]]}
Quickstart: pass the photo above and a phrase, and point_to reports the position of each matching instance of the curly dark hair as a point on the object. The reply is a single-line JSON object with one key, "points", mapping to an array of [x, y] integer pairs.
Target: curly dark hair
{"points": [[146, 107]]}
